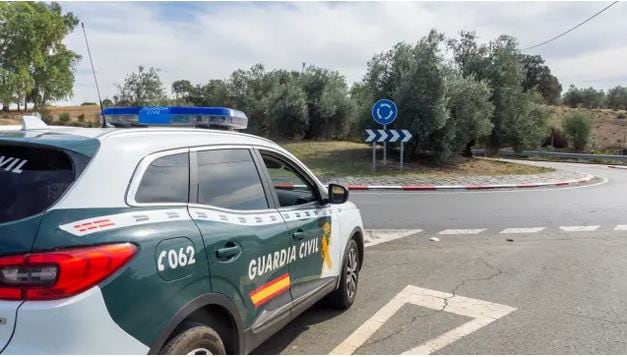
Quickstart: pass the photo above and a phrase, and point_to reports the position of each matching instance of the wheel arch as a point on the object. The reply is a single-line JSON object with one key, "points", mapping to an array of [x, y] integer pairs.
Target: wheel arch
{"points": [[209, 303]]}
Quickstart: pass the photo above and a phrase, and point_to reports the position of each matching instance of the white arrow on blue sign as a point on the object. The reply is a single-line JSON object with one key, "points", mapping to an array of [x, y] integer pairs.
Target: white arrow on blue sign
{"points": [[384, 111], [388, 136]]}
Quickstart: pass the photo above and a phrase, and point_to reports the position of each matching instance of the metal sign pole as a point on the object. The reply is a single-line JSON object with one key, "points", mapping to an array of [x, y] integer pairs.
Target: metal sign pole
{"points": [[374, 156], [385, 147], [402, 149]]}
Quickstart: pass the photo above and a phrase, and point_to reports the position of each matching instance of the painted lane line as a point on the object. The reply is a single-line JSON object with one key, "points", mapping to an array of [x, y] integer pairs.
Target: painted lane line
{"points": [[463, 231], [377, 236], [579, 228], [481, 312], [621, 227], [522, 230]]}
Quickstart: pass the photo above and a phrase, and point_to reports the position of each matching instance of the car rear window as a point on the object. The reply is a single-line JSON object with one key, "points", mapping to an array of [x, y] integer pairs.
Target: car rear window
{"points": [[32, 179]]}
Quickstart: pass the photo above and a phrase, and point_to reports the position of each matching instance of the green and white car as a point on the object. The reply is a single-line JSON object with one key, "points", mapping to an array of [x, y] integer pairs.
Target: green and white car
{"points": [[163, 240]]}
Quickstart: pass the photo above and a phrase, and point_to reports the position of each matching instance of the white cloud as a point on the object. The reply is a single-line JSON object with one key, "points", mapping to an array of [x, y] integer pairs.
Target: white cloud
{"points": [[200, 41]]}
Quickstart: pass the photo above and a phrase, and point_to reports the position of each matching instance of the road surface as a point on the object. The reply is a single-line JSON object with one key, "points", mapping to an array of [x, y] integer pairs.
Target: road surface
{"points": [[537, 271]]}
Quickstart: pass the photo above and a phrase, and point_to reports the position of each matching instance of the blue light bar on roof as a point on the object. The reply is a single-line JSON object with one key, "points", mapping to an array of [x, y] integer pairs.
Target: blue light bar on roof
{"points": [[176, 116]]}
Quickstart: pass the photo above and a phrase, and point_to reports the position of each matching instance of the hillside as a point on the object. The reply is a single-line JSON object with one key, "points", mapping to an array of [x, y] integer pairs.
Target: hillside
{"points": [[609, 127]]}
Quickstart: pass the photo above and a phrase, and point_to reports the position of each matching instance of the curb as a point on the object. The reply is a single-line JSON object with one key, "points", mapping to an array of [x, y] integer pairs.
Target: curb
{"points": [[617, 167], [585, 179]]}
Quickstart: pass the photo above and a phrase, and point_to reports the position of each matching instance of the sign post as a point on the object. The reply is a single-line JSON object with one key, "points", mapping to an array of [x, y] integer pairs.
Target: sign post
{"points": [[383, 112], [375, 136]]}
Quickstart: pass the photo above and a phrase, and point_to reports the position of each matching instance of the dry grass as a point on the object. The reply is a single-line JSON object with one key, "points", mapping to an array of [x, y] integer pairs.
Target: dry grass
{"points": [[344, 158], [90, 112]]}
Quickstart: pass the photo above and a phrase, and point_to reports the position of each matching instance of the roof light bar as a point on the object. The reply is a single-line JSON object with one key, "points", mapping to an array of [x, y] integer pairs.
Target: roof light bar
{"points": [[176, 116]]}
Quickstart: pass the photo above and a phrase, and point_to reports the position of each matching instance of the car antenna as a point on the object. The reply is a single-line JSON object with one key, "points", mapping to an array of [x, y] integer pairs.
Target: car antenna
{"points": [[93, 71]]}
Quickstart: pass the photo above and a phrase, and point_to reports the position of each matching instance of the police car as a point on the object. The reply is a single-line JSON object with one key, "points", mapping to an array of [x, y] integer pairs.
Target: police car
{"points": [[163, 237]]}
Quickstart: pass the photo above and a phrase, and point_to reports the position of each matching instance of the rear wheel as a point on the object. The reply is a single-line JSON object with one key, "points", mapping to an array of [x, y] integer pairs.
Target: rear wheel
{"points": [[195, 339], [344, 296]]}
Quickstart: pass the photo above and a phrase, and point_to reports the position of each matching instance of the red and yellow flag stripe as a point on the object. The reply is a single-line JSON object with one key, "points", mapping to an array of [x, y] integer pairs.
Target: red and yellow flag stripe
{"points": [[270, 290]]}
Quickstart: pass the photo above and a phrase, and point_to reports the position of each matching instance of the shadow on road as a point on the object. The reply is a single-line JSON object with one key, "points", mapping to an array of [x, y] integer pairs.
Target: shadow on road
{"points": [[279, 342]]}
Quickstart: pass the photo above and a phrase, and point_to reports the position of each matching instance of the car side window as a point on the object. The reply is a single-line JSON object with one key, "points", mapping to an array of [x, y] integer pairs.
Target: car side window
{"points": [[229, 178], [291, 187], [166, 180]]}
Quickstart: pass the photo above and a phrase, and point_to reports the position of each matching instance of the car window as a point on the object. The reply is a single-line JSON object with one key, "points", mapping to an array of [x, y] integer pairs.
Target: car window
{"points": [[166, 180], [32, 179], [290, 186], [229, 178]]}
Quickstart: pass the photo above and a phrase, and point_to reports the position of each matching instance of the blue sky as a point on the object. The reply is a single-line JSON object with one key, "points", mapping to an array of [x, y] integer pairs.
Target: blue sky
{"points": [[201, 41]]}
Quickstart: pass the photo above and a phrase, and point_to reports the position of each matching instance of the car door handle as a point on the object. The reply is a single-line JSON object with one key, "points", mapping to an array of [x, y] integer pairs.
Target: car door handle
{"points": [[298, 235], [229, 252]]}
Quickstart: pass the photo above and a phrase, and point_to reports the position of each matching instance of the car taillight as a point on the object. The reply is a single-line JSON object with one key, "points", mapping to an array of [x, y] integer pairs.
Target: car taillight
{"points": [[60, 274]]}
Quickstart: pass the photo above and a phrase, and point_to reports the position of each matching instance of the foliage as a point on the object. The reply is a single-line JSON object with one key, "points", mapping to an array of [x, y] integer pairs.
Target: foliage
{"points": [[64, 117], [518, 119], [81, 117], [587, 97], [87, 103], [141, 88], [107, 102], [577, 125], [617, 98], [538, 77], [470, 111], [289, 109], [35, 65]]}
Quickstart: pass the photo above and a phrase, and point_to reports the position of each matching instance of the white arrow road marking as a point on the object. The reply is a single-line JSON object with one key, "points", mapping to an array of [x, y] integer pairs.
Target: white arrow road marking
{"points": [[395, 135], [579, 228], [407, 134], [371, 135], [621, 227], [382, 135], [482, 312], [462, 231], [522, 230], [378, 236]]}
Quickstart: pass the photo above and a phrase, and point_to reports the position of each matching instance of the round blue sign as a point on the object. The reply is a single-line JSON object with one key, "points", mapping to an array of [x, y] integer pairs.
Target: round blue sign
{"points": [[384, 111]]}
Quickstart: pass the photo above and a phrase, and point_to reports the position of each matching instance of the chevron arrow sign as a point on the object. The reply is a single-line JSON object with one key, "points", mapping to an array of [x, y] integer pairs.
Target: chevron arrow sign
{"points": [[388, 136]]}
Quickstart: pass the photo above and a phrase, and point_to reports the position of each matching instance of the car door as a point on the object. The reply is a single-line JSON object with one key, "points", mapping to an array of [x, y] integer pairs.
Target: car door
{"points": [[310, 224], [244, 235]]}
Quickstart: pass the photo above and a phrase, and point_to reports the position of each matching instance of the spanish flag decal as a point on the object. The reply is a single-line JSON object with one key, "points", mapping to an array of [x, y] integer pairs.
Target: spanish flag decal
{"points": [[270, 290]]}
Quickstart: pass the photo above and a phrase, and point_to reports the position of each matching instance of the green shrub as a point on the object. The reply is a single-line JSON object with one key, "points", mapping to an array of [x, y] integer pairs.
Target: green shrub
{"points": [[81, 118], [64, 117], [621, 116], [577, 126], [87, 103]]}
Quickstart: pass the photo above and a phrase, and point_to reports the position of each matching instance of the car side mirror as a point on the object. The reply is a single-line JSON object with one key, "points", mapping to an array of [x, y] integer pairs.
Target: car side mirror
{"points": [[337, 194]]}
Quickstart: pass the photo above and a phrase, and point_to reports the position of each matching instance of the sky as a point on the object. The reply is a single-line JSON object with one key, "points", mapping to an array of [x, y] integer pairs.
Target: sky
{"points": [[208, 40]]}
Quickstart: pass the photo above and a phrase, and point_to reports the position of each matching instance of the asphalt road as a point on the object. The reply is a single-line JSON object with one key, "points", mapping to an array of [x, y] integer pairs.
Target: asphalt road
{"points": [[562, 287]]}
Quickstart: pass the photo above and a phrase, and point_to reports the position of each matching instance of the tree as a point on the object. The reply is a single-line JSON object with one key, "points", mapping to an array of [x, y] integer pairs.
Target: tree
{"points": [[181, 89], [414, 77], [518, 119], [538, 77], [141, 88], [577, 125], [330, 110], [617, 98], [470, 111], [35, 65], [289, 109]]}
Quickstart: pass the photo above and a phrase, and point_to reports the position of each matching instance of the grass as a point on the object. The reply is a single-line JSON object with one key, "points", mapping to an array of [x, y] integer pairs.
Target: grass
{"points": [[344, 158]]}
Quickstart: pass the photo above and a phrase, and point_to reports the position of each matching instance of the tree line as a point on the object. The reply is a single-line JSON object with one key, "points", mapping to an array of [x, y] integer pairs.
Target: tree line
{"points": [[490, 93], [616, 98]]}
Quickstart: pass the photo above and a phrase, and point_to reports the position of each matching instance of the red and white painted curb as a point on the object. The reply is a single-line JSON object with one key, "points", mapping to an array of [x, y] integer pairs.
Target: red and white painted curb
{"points": [[617, 167], [585, 179]]}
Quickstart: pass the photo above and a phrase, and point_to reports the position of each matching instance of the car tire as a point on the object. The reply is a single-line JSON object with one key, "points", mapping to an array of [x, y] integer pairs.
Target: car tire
{"points": [[344, 296], [194, 338]]}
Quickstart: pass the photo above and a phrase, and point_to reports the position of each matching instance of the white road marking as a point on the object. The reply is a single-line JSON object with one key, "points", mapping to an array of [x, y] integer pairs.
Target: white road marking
{"points": [[482, 312], [579, 228], [522, 230], [378, 236], [463, 231], [621, 227]]}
